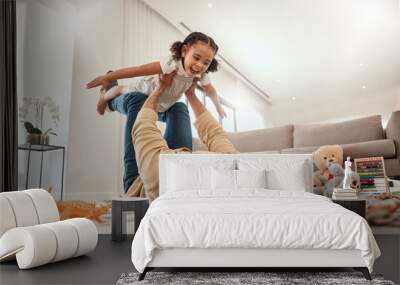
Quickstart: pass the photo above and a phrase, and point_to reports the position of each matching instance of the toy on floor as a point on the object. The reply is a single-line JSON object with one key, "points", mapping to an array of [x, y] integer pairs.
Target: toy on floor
{"points": [[82, 209]]}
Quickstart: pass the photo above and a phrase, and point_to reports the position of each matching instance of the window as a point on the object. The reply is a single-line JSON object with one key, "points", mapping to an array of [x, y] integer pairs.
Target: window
{"points": [[229, 123]]}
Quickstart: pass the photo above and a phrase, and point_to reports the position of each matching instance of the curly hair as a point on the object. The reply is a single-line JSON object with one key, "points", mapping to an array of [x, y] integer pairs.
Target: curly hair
{"points": [[192, 38]]}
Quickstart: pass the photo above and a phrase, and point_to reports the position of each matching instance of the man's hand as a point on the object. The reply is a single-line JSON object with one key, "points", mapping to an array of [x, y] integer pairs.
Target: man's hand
{"points": [[165, 80], [99, 81]]}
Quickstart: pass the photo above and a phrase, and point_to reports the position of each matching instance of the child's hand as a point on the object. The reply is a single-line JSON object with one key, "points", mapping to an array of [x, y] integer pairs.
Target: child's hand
{"points": [[221, 111], [165, 80], [98, 81]]}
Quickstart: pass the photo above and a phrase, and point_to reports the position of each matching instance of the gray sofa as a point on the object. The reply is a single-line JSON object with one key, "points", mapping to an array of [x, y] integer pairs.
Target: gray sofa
{"points": [[363, 137]]}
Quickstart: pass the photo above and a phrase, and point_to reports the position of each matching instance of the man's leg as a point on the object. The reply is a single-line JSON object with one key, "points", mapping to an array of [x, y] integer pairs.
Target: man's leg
{"points": [[178, 132], [129, 104]]}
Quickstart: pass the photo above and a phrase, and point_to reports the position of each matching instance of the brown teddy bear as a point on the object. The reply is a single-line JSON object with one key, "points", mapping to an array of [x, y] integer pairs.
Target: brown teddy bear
{"points": [[323, 157], [329, 174]]}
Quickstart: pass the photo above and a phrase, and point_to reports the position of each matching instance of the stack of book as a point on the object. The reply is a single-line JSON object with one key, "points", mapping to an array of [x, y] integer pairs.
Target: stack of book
{"points": [[344, 194]]}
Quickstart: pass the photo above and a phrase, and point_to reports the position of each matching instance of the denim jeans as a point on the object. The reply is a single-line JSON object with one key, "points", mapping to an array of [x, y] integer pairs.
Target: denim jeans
{"points": [[178, 132]]}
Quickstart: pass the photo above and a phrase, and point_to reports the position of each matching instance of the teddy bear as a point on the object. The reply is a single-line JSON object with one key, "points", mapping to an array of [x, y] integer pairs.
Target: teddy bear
{"points": [[329, 174]]}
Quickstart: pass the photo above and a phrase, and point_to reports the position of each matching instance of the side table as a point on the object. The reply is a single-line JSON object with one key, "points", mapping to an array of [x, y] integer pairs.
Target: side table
{"points": [[42, 148], [358, 206], [121, 205]]}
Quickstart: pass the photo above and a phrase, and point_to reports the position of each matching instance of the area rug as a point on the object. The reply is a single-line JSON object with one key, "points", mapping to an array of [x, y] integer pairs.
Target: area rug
{"points": [[242, 278]]}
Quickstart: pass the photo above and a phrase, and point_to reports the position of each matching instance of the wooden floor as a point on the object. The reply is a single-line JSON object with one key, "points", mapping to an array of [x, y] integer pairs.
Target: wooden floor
{"points": [[103, 266]]}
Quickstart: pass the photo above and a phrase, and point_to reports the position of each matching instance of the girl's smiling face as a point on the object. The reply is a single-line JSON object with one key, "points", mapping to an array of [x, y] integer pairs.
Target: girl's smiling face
{"points": [[197, 58]]}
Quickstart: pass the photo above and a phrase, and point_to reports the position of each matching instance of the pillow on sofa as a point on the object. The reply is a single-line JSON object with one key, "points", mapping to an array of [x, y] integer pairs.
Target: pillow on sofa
{"points": [[358, 130]]}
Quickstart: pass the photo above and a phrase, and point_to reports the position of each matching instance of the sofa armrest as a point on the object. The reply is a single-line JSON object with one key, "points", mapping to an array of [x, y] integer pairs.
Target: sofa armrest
{"points": [[393, 130]]}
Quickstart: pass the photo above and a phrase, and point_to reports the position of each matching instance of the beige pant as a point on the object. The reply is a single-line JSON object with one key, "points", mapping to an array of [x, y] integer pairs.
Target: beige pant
{"points": [[149, 144]]}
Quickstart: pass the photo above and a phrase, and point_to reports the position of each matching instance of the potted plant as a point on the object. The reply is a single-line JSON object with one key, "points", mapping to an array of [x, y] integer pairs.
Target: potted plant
{"points": [[32, 114]]}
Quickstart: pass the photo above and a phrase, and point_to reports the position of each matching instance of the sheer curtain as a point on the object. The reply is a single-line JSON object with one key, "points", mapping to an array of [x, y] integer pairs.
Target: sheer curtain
{"points": [[147, 37], [8, 98]]}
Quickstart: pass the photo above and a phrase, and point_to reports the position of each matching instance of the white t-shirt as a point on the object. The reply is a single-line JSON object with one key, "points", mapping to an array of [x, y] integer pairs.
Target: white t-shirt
{"points": [[181, 82]]}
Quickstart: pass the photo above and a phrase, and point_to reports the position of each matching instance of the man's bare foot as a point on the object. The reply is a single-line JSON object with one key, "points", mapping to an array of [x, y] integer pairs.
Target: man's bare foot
{"points": [[101, 104]]}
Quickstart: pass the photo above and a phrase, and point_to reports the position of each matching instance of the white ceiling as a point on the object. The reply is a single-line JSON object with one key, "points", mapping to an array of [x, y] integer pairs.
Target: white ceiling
{"points": [[297, 48]]}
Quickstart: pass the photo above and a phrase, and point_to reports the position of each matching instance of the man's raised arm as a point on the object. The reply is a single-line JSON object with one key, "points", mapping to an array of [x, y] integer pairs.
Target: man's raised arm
{"points": [[210, 132]]}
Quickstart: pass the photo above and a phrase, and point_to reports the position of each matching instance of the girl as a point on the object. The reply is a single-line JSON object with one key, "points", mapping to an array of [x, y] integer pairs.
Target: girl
{"points": [[191, 60]]}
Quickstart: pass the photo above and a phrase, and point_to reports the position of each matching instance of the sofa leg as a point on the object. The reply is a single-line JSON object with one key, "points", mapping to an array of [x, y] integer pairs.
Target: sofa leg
{"points": [[143, 274], [364, 271]]}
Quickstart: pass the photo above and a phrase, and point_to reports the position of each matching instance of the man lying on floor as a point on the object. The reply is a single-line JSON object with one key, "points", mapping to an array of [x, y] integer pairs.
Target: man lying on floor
{"points": [[149, 143]]}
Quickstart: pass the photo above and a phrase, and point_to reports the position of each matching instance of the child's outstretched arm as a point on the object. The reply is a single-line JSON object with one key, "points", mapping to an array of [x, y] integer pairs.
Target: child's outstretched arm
{"points": [[212, 93], [135, 71]]}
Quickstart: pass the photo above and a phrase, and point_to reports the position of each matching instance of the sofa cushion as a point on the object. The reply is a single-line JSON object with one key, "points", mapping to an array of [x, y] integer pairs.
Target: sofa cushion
{"points": [[354, 131], [263, 139], [385, 148]]}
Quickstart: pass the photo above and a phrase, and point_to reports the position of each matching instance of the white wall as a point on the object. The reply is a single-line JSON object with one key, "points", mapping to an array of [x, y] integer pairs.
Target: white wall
{"points": [[354, 104], [93, 170], [45, 42], [397, 100], [253, 112]]}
